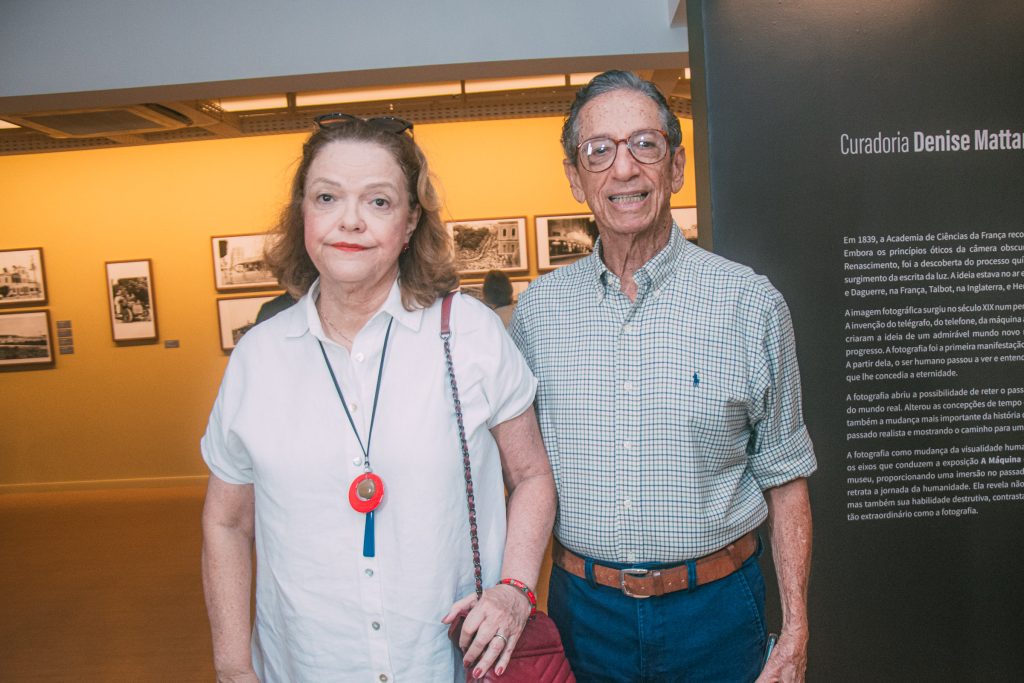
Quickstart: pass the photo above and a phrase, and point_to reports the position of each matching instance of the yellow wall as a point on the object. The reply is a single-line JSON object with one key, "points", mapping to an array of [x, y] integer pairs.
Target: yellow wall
{"points": [[112, 412]]}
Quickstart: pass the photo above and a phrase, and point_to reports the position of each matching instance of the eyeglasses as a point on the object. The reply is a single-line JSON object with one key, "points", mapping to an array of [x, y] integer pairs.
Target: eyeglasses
{"points": [[391, 124], [646, 146]]}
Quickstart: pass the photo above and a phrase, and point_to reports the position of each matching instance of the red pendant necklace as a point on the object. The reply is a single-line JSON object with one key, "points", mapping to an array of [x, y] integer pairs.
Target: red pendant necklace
{"points": [[367, 490]]}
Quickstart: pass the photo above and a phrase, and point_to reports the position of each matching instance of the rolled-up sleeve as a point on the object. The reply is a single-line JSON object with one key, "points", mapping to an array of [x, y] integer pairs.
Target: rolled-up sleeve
{"points": [[780, 448]]}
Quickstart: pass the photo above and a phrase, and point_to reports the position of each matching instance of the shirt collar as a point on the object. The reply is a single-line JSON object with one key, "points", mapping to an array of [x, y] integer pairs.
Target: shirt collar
{"points": [[651, 276], [661, 267], [393, 306], [309, 321]]}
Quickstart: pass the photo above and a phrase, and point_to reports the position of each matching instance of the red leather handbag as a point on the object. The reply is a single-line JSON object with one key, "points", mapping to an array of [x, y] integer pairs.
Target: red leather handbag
{"points": [[539, 656]]}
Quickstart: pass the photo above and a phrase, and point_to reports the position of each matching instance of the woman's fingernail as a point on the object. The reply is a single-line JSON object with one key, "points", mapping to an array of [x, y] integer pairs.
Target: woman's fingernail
{"points": [[498, 671], [477, 673]]}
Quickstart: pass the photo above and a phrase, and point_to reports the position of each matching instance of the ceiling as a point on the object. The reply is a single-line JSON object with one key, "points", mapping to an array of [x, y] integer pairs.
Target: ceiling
{"points": [[154, 122]]}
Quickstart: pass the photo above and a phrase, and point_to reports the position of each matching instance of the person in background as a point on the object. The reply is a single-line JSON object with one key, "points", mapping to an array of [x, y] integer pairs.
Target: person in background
{"points": [[274, 306], [670, 404], [333, 445], [498, 295]]}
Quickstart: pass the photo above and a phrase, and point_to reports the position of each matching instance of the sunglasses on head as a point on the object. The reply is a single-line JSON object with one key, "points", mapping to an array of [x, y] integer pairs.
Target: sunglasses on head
{"points": [[391, 124]]}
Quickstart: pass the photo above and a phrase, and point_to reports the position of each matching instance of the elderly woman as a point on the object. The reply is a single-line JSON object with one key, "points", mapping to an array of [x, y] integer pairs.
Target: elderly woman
{"points": [[333, 443]]}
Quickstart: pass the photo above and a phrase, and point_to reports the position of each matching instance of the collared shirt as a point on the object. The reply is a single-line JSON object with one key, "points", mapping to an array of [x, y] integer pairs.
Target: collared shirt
{"points": [[323, 611], [666, 417]]}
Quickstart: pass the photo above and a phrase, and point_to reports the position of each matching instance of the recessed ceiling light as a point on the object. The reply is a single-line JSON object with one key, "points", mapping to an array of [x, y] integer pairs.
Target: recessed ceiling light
{"points": [[395, 92], [523, 83], [582, 78], [253, 103]]}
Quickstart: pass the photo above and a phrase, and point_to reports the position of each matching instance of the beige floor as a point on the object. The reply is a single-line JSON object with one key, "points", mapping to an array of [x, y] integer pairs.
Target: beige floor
{"points": [[102, 586]]}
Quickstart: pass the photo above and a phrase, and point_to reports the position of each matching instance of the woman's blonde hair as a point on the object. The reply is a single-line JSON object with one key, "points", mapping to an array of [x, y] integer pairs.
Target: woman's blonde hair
{"points": [[426, 270]]}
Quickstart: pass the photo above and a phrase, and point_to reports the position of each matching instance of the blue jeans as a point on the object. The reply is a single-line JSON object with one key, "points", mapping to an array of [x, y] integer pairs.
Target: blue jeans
{"points": [[715, 632]]}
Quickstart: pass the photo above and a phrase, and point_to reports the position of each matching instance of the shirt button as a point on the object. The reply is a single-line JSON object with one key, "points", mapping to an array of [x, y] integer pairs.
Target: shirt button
{"points": [[357, 461], [630, 557], [383, 678], [627, 386], [368, 572], [354, 407], [359, 359], [627, 503], [627, 445], [627, 327], [376, 625]]}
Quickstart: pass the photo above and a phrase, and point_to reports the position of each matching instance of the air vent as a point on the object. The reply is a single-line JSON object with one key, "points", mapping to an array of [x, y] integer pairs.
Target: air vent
{"points": [[88, 123]]}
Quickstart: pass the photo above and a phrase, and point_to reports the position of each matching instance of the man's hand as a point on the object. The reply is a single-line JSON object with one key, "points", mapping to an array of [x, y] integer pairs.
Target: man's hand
{"points": [[788, 660]]}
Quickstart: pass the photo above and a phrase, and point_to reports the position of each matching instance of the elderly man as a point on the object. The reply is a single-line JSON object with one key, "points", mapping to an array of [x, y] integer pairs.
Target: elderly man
{"points": [[670, 405]]}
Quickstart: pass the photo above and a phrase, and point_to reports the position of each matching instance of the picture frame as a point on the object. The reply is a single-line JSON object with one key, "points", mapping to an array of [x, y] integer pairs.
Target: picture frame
{"points": [[564, 238], [686, 218], [239, 264], [483, 244], [26, 339], [131, 300], [237, 315], [22, 277]]}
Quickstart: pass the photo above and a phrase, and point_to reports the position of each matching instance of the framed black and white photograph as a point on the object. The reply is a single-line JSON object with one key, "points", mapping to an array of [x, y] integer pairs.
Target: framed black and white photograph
{"points": [[131, 300], [25, 339], [22, 277], [489, 244], [238, 263], [686, 218], [564, 239], [236, 316]]}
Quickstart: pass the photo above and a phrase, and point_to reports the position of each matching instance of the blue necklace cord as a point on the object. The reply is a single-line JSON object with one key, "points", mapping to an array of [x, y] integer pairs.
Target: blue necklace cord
{"points": [[376, 396]]}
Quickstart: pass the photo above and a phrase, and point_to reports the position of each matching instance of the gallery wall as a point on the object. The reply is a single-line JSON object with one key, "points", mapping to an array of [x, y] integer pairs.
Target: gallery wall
{"points": [[116, 415]]}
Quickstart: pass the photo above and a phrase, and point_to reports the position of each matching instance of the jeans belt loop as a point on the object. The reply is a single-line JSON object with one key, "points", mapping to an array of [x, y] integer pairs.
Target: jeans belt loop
{"points": [[588, 569]]}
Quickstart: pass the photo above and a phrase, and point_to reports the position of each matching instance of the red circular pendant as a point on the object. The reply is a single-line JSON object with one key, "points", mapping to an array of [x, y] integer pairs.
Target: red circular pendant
{"points": [[366, 492]]}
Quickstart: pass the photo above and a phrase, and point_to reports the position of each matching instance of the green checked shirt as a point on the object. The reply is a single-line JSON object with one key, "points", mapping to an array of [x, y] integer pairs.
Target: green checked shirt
{"points": [[667, 417]]}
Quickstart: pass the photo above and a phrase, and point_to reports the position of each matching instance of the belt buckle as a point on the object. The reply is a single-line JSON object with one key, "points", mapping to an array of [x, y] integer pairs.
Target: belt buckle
{"points": [[631, 571]]}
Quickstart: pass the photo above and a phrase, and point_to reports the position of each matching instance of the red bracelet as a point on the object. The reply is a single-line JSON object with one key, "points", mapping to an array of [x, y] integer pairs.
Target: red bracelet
{"points": [[516, 583]]}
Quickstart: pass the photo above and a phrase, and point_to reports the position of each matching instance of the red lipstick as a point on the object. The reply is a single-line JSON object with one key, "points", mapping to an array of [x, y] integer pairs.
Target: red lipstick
{"points": [[345, 246]]}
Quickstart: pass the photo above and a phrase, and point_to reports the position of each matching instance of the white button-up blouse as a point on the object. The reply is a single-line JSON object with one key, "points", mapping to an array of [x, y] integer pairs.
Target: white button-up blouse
{"points": [[324, 612]]}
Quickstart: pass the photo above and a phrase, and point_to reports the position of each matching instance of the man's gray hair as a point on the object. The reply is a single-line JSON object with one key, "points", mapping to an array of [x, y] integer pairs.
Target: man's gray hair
{"points": [[605, 83]]}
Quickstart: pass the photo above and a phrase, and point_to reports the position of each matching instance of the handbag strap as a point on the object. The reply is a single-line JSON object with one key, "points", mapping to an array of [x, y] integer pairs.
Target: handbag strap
{"points": [[446, 333]]}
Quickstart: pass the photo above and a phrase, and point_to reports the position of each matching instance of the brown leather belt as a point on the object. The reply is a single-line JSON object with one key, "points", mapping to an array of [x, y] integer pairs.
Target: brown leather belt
{"points": [[637, 582]]}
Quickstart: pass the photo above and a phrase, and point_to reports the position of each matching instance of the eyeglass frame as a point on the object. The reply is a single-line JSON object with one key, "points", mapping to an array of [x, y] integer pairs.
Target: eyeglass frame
{"points": [[381, 122], [664, 134]]}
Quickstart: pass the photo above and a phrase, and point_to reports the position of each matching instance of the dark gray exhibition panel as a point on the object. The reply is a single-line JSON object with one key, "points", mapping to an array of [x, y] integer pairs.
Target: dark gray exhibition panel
{"points": [[869, 158]]}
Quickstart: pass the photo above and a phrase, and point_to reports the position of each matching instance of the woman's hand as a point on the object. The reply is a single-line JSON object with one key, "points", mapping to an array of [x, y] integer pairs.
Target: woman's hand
{"points": [[491, 629]]}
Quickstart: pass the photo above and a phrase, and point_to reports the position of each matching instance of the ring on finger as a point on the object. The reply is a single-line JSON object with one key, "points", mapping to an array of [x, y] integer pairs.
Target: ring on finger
{"points": [[498, 635]]}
